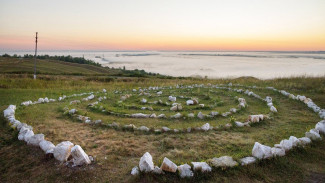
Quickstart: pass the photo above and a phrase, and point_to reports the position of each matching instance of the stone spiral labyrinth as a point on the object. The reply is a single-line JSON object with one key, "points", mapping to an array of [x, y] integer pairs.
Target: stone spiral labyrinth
{"points": [[177, 109]]}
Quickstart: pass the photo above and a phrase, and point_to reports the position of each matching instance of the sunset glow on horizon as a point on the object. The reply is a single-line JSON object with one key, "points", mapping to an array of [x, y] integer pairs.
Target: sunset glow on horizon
{"points": [[234, 25]]}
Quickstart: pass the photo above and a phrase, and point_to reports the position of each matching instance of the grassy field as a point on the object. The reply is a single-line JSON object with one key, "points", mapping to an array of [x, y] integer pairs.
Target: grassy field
{"points": [[12, 65], [116, 152]]}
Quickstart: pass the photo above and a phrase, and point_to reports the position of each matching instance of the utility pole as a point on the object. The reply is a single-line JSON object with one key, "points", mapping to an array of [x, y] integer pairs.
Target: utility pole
{"points": [[35, 56]]}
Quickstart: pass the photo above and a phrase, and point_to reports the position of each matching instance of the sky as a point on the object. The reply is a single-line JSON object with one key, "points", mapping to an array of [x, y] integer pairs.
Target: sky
{"points": [[202, 25]]}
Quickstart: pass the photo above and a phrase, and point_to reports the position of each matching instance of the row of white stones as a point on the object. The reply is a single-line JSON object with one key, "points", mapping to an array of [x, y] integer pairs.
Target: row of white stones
{"points": [[259, 151], [132, 127], [62, 151], [200, 115]]}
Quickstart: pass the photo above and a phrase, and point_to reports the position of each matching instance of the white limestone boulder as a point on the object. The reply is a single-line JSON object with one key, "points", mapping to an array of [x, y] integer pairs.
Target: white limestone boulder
{"points": [[185, 171], [201, 167], [320, 126], [176, 107], [286, 144], [165, 129], [158, 170], [313, 134], [273, 109], [278, 151], [23, 130], [62, 151], [303, 141], [214, 113], [223, 162], [143, 100], [79, 156], [176, 116], [72, 111], [256, 118], [8, 112], [200, 115], [247, 160], [294, 140], [172, 99], [161, 116], [146, 163], [168, 166], [190, 115], [261, 151], [135, 171], [205, 127], [144, 128], [46, 146], [28, 135], [189, 102], [239, 124], [140, 115], [35, 139]]}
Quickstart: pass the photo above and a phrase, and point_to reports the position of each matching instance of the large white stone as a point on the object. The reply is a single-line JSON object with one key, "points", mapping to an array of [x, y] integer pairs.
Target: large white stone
{"points": [[144, 101], [161, 116], [146, 163], [185, 171], [214, 113], [255, 118], [8, 112], [286, 144], [79, 156], [158, 170], [176, 116], [135, 171], [72, 111], [313, 134], [205, 127], [261, 151], [200, 115], [278, 151], [320, 126], [273, 109], [168, 165], [303, 141], [189, 102], [143, 128], [35, 139], [201, 166], [165, 129], [172, 99], [239, 124], [294, 140], [247, 160], [46, 146], [176, 107], [62, 151], [140, 115], [28, 135], [23, 130], [268, 99], [224, 161]]}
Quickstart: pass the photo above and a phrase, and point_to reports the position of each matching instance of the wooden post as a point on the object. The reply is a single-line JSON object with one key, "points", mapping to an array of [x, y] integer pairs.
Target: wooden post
{"points": [[35, 56]]}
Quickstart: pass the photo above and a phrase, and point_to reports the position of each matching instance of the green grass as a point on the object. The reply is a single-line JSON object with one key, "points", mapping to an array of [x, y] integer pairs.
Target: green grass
{"points": [[13, 65], [116, 152]]}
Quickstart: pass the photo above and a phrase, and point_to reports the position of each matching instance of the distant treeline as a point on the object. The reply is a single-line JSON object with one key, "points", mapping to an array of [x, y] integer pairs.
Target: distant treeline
{"points": [[68, 58]]}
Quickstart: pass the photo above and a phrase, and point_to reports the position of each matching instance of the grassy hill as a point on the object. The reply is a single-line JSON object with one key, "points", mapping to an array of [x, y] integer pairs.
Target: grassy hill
{"points": [[15, 65]]}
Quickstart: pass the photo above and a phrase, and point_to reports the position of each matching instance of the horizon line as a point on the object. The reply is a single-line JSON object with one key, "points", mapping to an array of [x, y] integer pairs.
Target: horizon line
{"points": [[18, 50]]}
